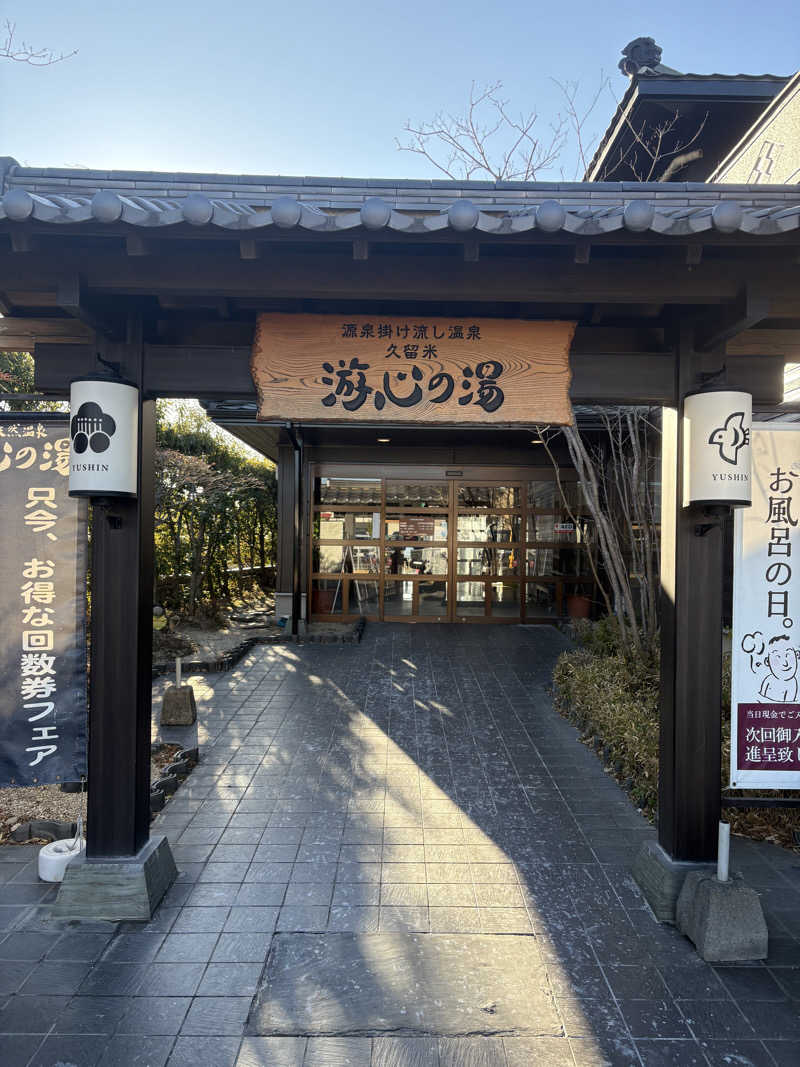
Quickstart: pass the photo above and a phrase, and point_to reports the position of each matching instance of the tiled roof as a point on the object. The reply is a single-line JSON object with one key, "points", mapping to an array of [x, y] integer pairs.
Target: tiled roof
{"points": [[247, 203], [648, 84]]}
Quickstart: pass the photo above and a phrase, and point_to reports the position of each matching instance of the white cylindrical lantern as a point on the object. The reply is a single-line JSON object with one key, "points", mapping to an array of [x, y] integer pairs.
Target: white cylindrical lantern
{"points": [[104, 428], [716, 443]]}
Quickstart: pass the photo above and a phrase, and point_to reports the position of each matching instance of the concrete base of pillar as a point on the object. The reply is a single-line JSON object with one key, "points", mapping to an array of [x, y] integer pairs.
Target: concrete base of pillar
{"points": [[661, 878], [723, 919], [129, 888]]}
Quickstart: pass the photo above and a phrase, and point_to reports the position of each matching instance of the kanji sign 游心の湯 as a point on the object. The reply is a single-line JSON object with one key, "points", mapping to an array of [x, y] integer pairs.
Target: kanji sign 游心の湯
{"points": [[376, 368]]}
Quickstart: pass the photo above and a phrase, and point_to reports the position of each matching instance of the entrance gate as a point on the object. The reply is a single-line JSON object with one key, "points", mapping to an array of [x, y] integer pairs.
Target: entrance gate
{"points": [[439, 546]]}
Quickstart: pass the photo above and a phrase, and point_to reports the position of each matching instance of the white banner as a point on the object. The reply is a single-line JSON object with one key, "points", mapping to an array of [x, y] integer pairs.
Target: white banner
{"points": [[765, 649]]}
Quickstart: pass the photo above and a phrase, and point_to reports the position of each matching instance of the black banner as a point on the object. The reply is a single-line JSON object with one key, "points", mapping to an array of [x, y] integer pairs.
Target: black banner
{"points": [[43, 533]]}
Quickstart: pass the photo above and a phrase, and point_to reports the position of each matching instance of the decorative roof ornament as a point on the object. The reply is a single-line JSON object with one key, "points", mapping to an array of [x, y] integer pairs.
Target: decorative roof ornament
{"points": [[642, 52]]}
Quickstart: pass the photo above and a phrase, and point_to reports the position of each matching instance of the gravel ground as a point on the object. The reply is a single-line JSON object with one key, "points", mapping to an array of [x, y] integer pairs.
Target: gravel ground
{"points": [[48, 802]]}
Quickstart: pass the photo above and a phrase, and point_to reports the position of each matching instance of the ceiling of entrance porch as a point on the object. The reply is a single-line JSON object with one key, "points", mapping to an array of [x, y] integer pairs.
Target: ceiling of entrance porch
{"points": [[251, 204]]}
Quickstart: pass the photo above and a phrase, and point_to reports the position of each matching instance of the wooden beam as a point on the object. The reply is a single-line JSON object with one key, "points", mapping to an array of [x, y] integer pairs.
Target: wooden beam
{"points": [[249, 248], [293, 274], [219, 373], [31, 298], [70, 299], [472, 250], [137, 245], [21, 335], [785, 343], [583, 252], [750, 308], [22, 241]]}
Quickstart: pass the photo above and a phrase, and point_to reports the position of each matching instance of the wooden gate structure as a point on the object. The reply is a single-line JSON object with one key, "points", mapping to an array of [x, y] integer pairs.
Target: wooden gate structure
{"points": [[163, 276]]}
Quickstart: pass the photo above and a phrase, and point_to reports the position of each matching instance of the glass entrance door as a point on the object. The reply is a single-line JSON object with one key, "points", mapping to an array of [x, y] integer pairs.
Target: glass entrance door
{"points": [[488, 528], [416, 550], [449, 549]]}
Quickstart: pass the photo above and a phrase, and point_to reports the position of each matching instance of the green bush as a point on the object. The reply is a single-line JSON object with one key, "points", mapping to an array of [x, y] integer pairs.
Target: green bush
{"points": [[613, 700]]}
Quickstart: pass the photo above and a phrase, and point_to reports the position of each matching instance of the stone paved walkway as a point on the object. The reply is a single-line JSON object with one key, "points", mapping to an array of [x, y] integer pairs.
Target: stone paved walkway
{"points": [[394, 854]]}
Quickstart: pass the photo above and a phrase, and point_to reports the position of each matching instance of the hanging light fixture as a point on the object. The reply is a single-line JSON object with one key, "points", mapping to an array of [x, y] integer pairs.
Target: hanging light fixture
{"points": [[104, 428], [717, 425]]}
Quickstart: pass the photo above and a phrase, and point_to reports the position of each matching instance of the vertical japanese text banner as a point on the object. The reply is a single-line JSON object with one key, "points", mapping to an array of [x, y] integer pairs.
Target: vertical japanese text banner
{"points": [[42, 607], [765, 648]]}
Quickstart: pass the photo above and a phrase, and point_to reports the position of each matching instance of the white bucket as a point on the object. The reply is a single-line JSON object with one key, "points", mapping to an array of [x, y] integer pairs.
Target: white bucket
{"points": [[56, 857]]}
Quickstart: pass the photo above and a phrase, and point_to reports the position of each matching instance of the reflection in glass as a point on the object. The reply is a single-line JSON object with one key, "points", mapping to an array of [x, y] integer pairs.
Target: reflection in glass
{"points": [[504, 600], [539, 561], [554, 528], [561, 561], [433, 598], [488, 496], [417, 495], [483, 527], [410, 560], [416, 527], [397, 597], [545, 494], [540, 599], [471, 598], [347, 491], [348, 525], [364, 598], [487, 560], [326, 596], [346, 559]]}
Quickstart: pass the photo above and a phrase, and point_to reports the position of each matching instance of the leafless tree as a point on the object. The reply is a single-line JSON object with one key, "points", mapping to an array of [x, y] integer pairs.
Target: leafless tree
{"points": [[618, 471], [20, 51], [656, 151], [487, 140]]}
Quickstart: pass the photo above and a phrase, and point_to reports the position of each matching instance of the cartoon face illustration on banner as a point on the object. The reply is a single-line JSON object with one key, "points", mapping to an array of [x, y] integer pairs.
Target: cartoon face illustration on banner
{"points": [[773, 662], [717, 449]]}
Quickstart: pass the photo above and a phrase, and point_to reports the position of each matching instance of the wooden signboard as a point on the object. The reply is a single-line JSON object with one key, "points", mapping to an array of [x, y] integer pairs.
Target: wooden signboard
{"points": [[416, 369]]}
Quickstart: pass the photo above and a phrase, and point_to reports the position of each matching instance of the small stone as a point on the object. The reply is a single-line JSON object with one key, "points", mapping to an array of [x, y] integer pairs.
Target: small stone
{"points": [[179, 708]]}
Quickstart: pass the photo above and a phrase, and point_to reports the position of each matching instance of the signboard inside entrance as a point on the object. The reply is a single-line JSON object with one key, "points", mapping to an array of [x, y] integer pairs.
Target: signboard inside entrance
{"points": [[414, 369], [765, 652]]}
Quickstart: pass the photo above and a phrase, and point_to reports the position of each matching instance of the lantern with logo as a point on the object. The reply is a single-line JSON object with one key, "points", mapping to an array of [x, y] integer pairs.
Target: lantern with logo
{"points": [[104, 428], [716, 435]]}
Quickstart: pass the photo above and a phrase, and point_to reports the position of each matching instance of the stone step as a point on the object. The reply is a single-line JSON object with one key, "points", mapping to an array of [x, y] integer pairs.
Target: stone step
{"points": [[404, 983]]}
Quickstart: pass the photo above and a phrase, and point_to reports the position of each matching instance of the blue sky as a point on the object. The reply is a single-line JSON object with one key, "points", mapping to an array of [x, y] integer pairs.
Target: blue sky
{"points": [[318, 88]]}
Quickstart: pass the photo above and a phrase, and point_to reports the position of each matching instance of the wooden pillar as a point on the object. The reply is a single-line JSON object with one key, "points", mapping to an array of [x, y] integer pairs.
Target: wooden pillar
{"points": [[691, 646], [286, 504], [121, 650]]}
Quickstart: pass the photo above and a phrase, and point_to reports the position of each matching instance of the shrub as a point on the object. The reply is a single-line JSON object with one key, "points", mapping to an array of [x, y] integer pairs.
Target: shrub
{"points": [[613, 700]]}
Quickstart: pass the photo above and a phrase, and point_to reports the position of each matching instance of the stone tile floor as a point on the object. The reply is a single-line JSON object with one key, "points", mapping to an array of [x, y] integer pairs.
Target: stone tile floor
{"points": [[394, 854]]}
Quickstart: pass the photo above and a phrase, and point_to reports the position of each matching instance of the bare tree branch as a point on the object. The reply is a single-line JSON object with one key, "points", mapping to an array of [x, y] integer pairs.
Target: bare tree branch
{"points": [[577, 119], [488, 140], [648, 149], [463, 147], [21, 52]]}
